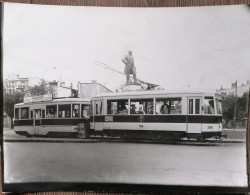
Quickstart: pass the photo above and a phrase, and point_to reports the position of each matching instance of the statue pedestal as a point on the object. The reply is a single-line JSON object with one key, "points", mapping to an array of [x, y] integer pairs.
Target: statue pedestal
{"points": [[132, 87]]}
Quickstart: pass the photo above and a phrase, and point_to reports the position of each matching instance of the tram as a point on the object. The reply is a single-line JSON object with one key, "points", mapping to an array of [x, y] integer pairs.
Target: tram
{"points": [[157, 114], [53, 118]]}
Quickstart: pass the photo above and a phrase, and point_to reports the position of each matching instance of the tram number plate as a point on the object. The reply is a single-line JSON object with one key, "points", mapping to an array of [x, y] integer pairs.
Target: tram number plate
{"points": [[209, 127], [108, 118]]}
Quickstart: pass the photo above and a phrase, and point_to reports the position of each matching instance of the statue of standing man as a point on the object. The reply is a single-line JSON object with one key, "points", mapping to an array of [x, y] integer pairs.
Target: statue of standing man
{"points": [[129, 66]]}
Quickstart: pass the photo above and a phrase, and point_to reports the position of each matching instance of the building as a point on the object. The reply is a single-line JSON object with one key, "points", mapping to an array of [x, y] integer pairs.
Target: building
{"points": [[14, 83], [88, 90], [59, 90], [231, 91]]}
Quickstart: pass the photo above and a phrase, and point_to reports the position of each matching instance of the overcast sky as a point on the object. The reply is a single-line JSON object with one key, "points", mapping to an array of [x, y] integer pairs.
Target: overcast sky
{"points": [[203, 47]]}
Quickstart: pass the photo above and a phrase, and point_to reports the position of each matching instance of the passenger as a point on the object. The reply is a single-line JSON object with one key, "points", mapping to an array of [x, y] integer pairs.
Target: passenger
{"points": [[151, 110], [211, 107], [132, 110], [76, 113], [67, 113], [165, 108], [141, 110]]}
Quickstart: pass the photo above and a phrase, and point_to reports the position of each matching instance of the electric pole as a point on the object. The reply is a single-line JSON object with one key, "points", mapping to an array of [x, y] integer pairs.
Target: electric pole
{"points": [[235, 104]]}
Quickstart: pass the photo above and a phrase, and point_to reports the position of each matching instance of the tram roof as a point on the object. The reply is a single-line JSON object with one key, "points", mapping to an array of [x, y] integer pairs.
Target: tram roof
{"points": [[55, 101], [156, 92]]}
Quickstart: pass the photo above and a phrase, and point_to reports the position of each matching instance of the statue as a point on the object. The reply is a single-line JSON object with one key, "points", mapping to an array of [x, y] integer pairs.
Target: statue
{"points": [[129, 67]]}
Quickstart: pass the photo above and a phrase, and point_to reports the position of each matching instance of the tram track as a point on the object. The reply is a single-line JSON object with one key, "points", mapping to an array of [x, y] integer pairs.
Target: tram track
{"points": [[119, 140]]}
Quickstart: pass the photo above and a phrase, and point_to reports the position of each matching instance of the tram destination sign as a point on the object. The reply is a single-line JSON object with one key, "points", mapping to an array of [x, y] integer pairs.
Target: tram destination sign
{"points": [[36, 98]]}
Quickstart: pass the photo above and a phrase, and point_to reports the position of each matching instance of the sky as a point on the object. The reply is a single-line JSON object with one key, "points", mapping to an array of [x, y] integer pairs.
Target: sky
{"points": [[177, 48]]}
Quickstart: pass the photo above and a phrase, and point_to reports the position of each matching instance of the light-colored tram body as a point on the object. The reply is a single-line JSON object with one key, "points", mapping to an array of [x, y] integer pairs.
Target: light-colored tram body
{"points": [[187, 115], [55, 118]]}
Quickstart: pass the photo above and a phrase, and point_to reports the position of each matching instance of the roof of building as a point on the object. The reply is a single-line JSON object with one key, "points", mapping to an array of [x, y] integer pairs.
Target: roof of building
{"points": [[97, 84]]}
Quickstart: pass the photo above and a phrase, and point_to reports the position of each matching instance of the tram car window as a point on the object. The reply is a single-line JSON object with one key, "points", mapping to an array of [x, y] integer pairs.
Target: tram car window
{"points": [[64, 111], [190, 106], [209, 105], [76, 110], [43, 113], [31, 114], [51, 111], [168, 105], [85, 110], [218, 106], [117, 106], [17, 113], [24, 113], [197, 106], [98, 107], [142, 106], [91, 108]]}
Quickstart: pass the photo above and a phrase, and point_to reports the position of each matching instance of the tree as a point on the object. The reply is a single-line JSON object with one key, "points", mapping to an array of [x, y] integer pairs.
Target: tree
{"points": [[9, 101], [242, 106], [228, 104], [40, 89]]}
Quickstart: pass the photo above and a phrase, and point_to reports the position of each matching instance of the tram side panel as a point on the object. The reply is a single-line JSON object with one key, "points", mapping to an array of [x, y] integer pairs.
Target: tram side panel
{"points": [[140, 125], [49, 127]]}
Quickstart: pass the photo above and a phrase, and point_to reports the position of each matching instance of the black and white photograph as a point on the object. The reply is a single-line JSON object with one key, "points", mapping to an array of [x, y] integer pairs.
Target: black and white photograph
{"points": [[112, 95]]}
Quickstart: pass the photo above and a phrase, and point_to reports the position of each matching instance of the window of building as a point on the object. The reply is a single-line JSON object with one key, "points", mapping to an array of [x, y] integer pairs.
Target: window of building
{"points": [[51, 111], [117, 106], [168, 105], [209, 105], [85, 110], [24, 113], [141, 106], [76, 110], [64, 111], [16, 113]]}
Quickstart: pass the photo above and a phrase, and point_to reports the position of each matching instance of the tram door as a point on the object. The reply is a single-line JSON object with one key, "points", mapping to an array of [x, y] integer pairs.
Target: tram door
{"points": [[37, 121], [194, 118]]}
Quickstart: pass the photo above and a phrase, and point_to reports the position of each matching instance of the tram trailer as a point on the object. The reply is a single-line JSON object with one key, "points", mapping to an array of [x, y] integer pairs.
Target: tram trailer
{"points": [[66, 117]]}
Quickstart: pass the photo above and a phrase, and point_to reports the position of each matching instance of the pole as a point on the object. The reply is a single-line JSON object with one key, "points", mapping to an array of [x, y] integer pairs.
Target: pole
{"points": [[235, 104]]}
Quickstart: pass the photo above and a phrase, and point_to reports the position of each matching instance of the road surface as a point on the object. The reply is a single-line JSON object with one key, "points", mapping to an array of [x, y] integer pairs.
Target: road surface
{"points": [[222, 164]]}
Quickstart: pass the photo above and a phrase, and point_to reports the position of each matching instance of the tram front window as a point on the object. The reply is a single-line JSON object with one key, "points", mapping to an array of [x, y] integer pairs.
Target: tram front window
{"points": [[117, 106], [24, 113], [168, 106], [64, 111], [209, 105], [141, 106], [51, 111]]}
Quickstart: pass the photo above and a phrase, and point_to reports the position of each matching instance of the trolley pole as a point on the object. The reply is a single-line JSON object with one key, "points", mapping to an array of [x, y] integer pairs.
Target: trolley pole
{"points": [[235, 104]]}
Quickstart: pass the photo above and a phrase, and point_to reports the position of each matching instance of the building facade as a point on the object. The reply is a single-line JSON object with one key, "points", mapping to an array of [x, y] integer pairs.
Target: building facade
{"points": [[59, 90], [88, 90], [232, 91], [14, 83]]}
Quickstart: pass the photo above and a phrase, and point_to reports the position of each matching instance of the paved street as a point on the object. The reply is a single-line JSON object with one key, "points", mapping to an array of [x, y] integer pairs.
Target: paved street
{"points": [[222, 164]]}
